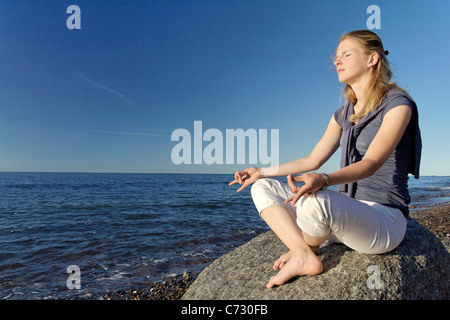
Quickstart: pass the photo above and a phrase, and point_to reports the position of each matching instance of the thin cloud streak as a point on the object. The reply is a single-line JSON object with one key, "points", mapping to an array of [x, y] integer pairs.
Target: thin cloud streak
{"points": [[143, 134], [102, 87]]}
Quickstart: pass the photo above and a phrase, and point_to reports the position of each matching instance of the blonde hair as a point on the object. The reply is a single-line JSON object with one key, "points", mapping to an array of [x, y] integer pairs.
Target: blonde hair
{"points": [[380, 84]]}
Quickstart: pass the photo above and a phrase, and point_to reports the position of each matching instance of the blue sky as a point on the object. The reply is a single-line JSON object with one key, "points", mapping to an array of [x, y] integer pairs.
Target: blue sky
{"points": [[107, 97]]}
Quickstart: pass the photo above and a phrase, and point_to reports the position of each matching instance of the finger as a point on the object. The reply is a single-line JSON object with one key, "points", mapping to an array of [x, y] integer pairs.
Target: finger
{"points": [[237, 176], [295, 198], [300, 178], [288, 199], [291, 184], [246, 183], [301, 191], [236, 179]]}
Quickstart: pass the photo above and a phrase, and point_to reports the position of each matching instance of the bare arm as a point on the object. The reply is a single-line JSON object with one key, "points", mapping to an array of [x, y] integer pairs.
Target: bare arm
{"points": [[384, 143], [323, 150]]}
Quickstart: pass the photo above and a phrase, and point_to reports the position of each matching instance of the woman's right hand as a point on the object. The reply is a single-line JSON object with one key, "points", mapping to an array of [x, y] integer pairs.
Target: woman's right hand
{"points": [[246, 177]]}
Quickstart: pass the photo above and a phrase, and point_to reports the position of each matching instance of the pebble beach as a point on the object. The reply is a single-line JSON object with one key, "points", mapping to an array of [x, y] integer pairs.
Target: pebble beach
{"points": [[435, 218]]}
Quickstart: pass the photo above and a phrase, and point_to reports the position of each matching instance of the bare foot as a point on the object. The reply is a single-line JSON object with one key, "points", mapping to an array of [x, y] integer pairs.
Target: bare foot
{"points": [[282, 261], [296, 264], [285, 258]]}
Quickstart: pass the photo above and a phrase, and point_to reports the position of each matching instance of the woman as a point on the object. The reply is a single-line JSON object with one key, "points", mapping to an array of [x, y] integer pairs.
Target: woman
{"points": [[378, 132]]}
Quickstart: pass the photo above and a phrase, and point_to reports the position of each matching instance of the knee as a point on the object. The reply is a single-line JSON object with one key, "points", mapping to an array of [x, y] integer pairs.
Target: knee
{"points": [[313, 216], [263, 184], [265, 193]]}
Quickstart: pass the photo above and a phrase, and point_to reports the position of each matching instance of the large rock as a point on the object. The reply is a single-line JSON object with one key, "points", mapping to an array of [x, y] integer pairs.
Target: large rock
{"points": [[417, 269]]}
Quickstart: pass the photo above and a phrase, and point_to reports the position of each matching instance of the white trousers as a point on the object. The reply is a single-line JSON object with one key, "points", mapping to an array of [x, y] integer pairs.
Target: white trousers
{"points": [[364, 226]]}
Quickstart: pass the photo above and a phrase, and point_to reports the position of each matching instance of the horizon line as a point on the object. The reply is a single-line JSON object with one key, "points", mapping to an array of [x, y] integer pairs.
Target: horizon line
{"points": [[112, 172]]}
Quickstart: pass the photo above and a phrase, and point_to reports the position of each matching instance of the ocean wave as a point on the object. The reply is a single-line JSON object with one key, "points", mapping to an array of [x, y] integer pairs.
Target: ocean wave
{"points": [[124, 229]]}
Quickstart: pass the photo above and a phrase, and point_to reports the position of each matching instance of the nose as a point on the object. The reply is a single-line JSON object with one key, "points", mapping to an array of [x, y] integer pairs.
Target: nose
{"points": [[337, 61]]}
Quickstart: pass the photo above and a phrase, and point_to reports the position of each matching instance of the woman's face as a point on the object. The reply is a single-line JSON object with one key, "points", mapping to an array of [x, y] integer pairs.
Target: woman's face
{"points": [[351, 62]]}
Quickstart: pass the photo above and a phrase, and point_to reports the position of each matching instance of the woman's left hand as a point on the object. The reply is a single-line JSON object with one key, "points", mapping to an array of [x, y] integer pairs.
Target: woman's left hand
{"points": [[313, 182]]}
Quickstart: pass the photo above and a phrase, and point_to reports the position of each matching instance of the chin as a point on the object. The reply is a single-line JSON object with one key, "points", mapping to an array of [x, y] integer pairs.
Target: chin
{"points": [[342, 81], [345, 80]]}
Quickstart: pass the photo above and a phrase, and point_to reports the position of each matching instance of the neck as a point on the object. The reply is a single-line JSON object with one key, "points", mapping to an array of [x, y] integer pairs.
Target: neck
{"points": [[359, 89]]}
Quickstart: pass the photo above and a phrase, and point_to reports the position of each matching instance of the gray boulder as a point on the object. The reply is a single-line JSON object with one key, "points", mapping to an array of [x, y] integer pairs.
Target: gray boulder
{"points": [[417, 269]]}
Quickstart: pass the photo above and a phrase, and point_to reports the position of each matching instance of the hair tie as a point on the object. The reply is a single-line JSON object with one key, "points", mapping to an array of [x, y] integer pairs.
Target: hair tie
{"points": [[386, 52]]}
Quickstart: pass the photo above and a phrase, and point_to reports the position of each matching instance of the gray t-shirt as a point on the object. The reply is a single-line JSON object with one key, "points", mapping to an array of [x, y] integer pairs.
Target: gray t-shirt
{"points": [[389, 185]]}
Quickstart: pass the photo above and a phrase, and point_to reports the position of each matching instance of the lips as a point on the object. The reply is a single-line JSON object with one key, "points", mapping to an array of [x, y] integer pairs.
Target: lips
{"points": [[340, 70]]}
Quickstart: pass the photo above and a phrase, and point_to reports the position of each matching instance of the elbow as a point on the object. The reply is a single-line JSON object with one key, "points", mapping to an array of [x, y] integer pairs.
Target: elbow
{"points": [[315, 164], [307, 164], [371, 166]]}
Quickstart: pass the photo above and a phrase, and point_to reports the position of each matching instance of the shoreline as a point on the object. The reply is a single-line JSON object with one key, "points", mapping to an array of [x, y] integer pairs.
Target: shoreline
{"points": [[171, 288], [434, 217]]}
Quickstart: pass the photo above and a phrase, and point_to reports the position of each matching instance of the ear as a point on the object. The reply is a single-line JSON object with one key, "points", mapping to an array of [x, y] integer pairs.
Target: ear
{"points": [[374, 57]]}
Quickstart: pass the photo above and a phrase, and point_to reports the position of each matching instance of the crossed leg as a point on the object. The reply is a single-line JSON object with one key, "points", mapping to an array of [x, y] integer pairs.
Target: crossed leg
{"points": [[301, 258], [364, 226]]}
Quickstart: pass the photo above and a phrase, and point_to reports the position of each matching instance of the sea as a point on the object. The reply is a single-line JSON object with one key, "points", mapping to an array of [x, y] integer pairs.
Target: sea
{"points": [[82, 235]]}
